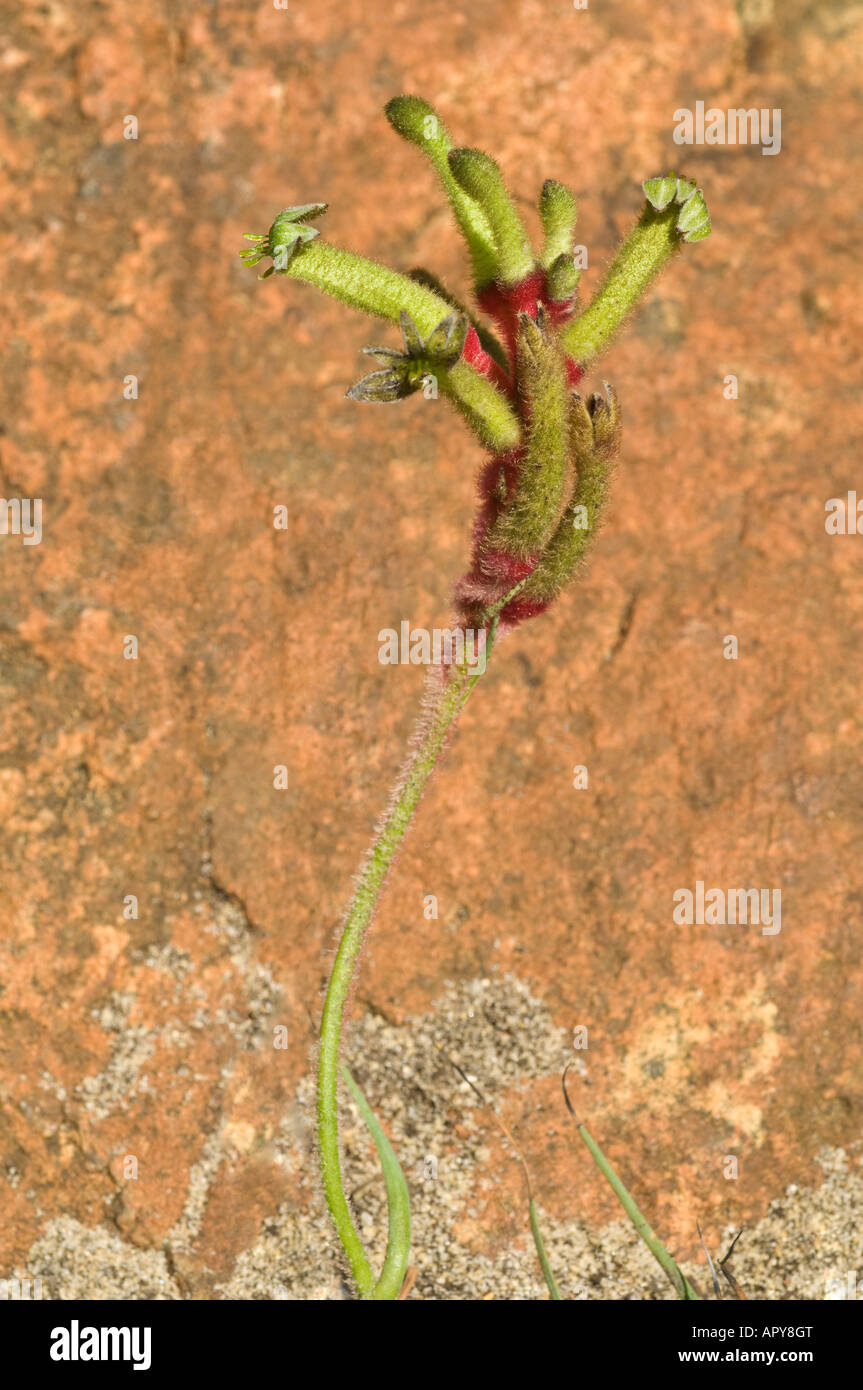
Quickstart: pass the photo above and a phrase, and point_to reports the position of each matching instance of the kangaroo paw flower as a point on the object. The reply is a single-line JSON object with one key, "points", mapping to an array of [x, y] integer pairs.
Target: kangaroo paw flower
{"points": [[543, 488], [419, 123], [595, 441], [479, 176]]}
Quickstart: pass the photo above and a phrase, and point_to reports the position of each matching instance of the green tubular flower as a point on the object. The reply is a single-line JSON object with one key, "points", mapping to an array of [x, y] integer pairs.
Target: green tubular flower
{"points": [[479, 176], [675, 212], [419, 123], [527, 523], [361, 283], [595, 439]]}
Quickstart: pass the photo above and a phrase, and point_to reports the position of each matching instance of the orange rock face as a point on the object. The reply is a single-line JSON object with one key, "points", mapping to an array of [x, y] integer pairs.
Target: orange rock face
{"points": [[169, 913]]}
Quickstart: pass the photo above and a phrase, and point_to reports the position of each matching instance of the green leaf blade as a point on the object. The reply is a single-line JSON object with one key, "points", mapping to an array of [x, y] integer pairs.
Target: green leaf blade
{"points": [[395, 1263]]}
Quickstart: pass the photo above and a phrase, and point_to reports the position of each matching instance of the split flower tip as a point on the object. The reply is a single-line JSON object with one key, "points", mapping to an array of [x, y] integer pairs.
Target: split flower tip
{"points": [[288, 231], [408, 368], [603, 410], [693, 220], [439, 362]]}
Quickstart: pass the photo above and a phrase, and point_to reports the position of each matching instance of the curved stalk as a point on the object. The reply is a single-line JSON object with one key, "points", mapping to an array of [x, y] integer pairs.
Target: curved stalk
{"points": [[437, 726]]}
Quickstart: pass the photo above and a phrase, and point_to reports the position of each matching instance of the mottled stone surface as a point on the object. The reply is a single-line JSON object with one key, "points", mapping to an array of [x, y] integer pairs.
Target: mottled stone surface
{"points": [[152, 1038]]}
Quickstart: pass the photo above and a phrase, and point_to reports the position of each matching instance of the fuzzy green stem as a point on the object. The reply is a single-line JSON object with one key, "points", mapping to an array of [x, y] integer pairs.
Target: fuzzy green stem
{"points": [[642, 256], [446, 710]]}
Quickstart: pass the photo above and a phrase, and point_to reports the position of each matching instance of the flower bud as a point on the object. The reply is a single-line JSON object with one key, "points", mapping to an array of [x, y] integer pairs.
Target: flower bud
{"points": [[562, 279], [419, 123], [381, 388], [558, 213]]}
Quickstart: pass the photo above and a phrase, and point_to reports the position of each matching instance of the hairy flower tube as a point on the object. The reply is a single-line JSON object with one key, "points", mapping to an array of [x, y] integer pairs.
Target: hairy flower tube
{"points": [[511, 368]]}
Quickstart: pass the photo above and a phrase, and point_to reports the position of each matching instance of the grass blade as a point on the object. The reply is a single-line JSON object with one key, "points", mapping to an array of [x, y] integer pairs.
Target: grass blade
{"points": [[551, 1282], [641, 1224]]}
